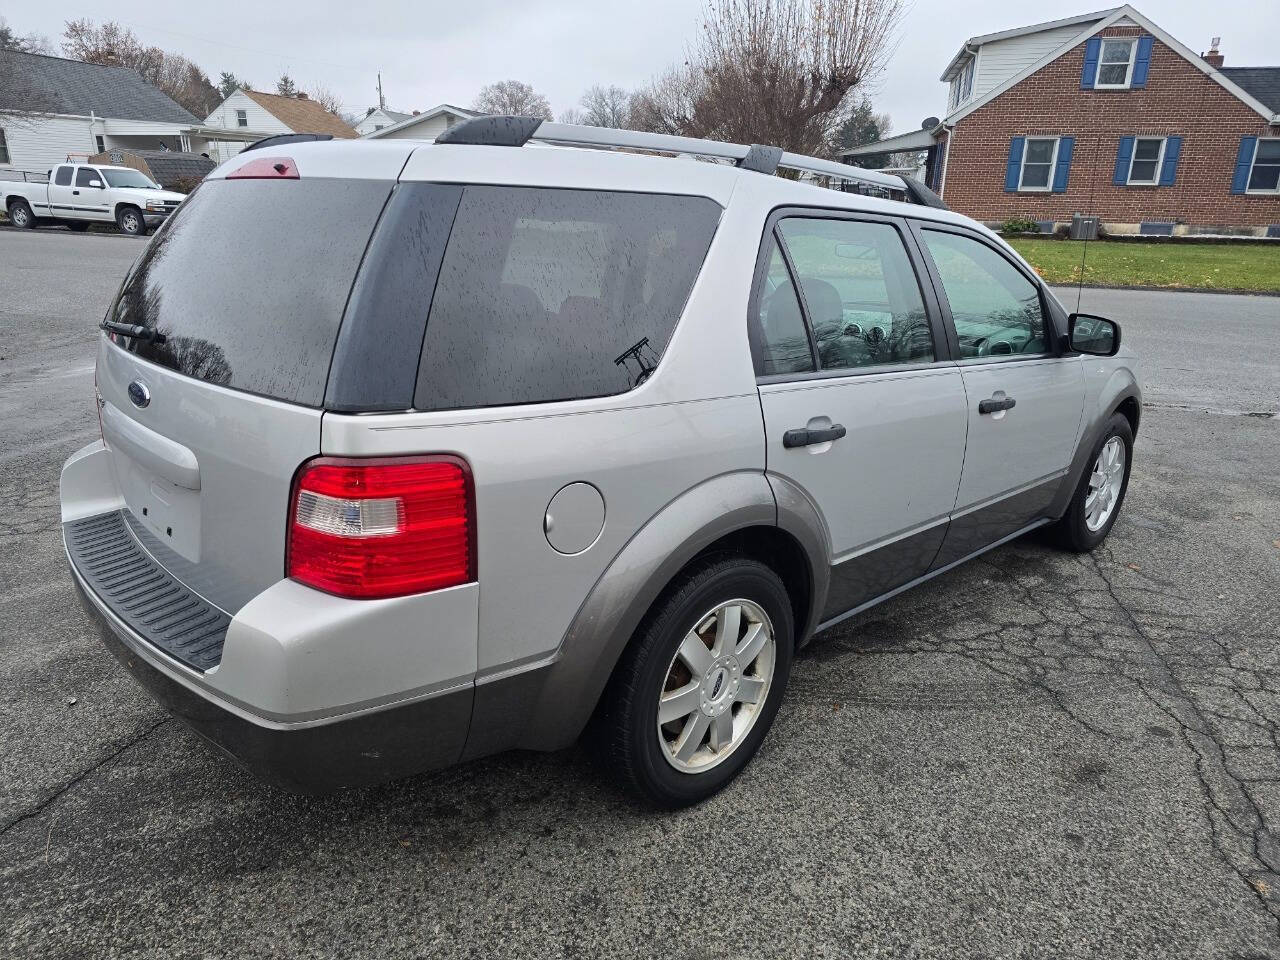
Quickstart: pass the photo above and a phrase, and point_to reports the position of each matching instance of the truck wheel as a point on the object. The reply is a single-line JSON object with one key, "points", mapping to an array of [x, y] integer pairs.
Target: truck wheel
{"points": [[78, 226], [129, 220], [697, 690], [20, 215]]}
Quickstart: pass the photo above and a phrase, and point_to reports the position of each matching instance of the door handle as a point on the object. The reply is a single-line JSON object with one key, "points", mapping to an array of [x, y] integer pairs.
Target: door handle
{"points": [[803, 438], [75, 193], [995, 406]]}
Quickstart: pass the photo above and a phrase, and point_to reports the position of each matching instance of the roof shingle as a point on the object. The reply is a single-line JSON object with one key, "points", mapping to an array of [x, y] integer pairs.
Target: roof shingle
{"points": [[1263, 83], [301, 116], [56, 85]]}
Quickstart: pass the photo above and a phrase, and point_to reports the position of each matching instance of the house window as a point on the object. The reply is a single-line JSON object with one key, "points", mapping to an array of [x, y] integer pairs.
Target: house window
{"points": [[1115, 65], [4, 148], [1038, 158], [242, 118], [378, 126], [102, 146], [962, 86], [1264, 175], [1144, 168]]}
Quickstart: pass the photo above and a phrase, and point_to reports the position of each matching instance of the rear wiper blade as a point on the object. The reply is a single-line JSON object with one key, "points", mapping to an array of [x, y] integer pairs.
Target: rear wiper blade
{"points": [[137, 331]]}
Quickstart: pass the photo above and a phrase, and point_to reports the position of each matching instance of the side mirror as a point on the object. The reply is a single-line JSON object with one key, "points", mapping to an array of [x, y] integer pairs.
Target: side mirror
{"points": [[96, 183], [1096, 336]]}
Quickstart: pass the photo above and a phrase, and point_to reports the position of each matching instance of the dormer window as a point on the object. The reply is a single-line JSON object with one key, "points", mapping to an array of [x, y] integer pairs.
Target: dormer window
{"points": [[962, 86], [1115, 65]]}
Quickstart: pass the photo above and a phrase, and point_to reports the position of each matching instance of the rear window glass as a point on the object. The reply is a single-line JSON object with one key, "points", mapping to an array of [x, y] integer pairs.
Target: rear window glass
{"points": [[552, 294], [248, 280]]}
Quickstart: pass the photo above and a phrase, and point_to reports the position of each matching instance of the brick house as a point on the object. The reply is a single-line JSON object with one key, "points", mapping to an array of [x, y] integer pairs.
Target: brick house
{"points": [[1104, 114]]}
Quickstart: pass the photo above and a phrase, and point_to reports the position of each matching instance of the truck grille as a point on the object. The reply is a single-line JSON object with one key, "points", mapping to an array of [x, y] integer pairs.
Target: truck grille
{"points": [[141, 593]]}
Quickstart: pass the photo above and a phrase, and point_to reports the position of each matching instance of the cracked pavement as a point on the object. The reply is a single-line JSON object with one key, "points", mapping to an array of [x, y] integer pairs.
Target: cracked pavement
{"points": [[1039, 754]]}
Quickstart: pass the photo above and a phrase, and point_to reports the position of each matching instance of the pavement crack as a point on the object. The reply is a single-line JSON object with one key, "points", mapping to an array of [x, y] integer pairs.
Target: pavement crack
{"points": [[44, 804]]}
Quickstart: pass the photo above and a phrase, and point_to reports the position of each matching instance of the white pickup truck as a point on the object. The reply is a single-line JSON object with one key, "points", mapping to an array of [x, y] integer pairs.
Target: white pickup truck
{"points": [[78, 194]]}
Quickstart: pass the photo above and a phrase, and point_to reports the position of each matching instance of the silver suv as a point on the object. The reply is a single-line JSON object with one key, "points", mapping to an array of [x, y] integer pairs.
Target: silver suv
{"points": [[414, 452]]}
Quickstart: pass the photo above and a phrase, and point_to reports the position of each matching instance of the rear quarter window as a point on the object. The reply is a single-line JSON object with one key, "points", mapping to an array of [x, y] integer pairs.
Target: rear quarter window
{"points": [[248, 282], [554, 294]]}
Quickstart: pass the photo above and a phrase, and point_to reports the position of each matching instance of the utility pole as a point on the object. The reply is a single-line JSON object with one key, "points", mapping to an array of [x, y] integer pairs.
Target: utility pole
{"points": [[382, 103]]}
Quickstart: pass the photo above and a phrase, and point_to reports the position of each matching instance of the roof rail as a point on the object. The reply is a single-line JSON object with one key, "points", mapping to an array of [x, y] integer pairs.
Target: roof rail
{"points": [[279, 139], [517, 131]]}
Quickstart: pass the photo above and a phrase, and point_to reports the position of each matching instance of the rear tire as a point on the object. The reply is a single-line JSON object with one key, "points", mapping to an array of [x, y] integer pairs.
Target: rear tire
{"points": [[130, 221], [720, 699], [1100, 494], [20, 215]]}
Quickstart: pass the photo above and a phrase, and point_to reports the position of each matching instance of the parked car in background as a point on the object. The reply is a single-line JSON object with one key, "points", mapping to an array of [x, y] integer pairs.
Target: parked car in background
{"points": [[676, 417], [78, 194]]}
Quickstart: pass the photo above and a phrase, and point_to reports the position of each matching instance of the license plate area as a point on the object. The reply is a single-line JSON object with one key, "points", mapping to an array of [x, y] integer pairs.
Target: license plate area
{"points": [[170, 512]]}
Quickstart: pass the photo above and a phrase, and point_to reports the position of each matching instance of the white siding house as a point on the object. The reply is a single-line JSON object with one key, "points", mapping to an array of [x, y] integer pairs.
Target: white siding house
{"points": [[380, 119], [426, 125], [52, 108], [251, 115]]}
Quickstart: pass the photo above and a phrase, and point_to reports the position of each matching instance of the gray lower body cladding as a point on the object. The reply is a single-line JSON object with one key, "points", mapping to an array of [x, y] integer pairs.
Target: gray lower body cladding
{"points": [[317, 758]]}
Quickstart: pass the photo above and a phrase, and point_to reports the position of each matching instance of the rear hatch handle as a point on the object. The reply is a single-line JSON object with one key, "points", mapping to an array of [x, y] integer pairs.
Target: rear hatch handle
{"points": [[149, 449]]}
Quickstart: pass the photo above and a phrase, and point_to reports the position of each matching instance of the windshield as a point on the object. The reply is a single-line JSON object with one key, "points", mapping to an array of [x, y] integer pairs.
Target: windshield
{"points": [[124, 177]]}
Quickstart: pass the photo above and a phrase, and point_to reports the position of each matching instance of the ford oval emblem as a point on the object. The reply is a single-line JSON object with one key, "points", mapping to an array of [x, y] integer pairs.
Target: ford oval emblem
{"points": [[139, 394]]}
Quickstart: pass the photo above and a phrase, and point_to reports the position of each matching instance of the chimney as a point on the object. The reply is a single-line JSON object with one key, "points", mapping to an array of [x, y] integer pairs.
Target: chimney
{"points": [[1213, 58], [301, 95], [416, 112]]}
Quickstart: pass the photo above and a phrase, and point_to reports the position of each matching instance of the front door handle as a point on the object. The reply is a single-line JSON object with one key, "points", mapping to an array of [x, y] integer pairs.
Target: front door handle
{"points": [[995, 406], [803, 437], [75, 193]]}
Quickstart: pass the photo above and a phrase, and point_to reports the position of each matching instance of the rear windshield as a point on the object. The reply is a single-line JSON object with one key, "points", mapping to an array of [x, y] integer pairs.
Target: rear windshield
{"points": [[552, 294], [248, 281]]}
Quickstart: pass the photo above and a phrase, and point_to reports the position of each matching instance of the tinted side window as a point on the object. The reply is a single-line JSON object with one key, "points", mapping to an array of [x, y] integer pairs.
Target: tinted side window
{"points": [[784, 341], [860, 292], [84, 175], [548, 294], [63, 177], [248, 280], [996, 310]]}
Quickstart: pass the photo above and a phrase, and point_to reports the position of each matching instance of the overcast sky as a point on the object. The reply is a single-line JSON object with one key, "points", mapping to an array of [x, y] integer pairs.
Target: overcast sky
{"points": [[434, 52]]}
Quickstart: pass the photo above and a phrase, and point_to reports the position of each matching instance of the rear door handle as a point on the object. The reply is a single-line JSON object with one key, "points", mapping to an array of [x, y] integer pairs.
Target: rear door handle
{"points": [[995, 406], [76, 192], [803, 438]]}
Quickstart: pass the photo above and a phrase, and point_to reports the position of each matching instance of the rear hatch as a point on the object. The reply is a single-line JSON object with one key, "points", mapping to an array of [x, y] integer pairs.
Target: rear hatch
{"points": [[207, 422]]}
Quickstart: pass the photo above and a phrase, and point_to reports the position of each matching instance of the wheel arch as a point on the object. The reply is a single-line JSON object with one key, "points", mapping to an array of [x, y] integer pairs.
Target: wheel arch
{"points": [[733, 512], [1120, 394]]}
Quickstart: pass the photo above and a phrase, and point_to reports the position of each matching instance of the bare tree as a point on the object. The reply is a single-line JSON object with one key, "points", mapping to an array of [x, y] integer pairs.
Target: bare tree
{"points": [[113, 45], [773, 71], [512, 98], [326, 98], [572, 115], [30, 43], [606, 107]]}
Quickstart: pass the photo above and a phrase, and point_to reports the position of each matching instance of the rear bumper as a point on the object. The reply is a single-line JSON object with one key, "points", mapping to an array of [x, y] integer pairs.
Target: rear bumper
{"points": [[306, 757]]}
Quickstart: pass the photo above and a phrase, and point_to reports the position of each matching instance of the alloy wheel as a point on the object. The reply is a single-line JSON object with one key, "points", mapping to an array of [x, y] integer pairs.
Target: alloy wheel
{"points": [[716, 686], [1105, 483]]}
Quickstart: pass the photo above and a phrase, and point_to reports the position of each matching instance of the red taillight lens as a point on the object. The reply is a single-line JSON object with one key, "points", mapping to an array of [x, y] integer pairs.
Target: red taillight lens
{"points": [[382, 528], [266, 168]]}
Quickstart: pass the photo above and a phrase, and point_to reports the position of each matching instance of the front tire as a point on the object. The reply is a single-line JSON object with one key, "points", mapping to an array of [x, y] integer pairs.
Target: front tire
{"points": [[20, 215], [130, 221], [697, 690], [1100, 494]]}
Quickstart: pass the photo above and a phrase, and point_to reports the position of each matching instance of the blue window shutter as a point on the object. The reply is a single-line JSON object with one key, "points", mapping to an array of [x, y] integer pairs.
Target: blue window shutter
{"points": [[1141, 62], [1063, 168], [1169, 169], [1123, 156], [1244, 160], [1092, 50], [1013, 169]]}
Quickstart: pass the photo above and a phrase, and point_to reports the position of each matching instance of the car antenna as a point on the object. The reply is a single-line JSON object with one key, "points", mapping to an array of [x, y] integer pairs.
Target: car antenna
{"points": [[1093, 188]]}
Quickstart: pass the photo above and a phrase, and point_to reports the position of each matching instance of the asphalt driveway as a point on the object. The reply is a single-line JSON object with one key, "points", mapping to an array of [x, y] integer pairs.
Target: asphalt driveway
{"points": [[1036, 755]]}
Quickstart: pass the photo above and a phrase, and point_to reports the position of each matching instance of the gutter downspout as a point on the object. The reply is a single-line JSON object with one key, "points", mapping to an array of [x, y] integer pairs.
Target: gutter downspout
{"points": [[946, 159]]}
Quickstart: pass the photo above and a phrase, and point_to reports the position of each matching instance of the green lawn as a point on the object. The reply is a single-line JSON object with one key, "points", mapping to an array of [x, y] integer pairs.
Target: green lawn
{"points": [[1200, 266]]}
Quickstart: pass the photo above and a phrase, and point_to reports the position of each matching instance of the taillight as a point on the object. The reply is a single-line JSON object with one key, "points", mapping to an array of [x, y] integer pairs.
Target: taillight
{"points": [[383, 527]]}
